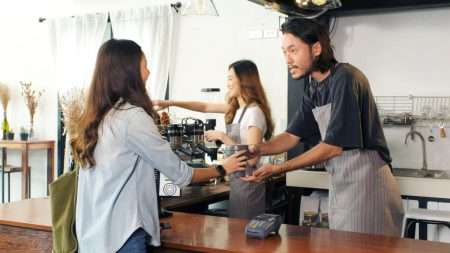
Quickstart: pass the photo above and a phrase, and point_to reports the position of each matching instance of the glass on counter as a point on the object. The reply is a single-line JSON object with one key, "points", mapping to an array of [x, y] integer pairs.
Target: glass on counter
{"points": [[310, 219]]}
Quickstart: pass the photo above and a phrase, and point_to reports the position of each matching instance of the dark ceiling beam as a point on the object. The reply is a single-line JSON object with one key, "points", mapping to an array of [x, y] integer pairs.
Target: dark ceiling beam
{"points": [[360, 7]]}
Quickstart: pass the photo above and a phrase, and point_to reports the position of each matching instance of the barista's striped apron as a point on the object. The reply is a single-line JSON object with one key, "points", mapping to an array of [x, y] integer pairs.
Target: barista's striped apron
{"points": [[364, 196], [247, 199]]}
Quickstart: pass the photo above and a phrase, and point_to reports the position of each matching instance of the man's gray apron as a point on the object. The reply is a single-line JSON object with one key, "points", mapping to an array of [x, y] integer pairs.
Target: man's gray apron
{"points": [[247, 199], [364, 196]]}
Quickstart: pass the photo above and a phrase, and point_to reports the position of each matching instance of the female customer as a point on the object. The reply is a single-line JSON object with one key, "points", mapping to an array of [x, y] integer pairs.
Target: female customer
{"points": [[118, 147], [249, 121]]}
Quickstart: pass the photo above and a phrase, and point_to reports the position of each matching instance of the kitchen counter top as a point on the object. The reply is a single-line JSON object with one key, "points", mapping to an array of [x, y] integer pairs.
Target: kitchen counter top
{"points": [[409, 186]]}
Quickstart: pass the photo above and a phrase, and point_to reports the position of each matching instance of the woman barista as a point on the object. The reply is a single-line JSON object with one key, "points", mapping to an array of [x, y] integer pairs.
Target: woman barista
{"points": [[248, 119]]}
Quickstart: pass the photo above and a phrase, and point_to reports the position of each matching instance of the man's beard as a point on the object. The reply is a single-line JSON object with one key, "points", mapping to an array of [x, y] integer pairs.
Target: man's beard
{"points": [[311, 68]]}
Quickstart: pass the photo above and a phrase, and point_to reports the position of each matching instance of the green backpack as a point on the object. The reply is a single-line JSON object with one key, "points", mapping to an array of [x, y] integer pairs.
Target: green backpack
{"points": [[63, 197]]}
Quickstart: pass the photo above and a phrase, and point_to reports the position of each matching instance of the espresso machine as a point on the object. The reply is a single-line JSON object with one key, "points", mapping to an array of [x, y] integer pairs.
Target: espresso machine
{"points": [[187, 141]]}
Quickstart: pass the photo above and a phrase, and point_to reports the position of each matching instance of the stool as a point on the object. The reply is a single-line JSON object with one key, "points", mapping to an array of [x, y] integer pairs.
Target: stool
{"points": [[423, 216], [8, 170]]}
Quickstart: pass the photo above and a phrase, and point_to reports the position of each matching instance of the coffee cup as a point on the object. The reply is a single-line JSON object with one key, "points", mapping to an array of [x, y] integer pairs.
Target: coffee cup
{"points": [[230, 150]]}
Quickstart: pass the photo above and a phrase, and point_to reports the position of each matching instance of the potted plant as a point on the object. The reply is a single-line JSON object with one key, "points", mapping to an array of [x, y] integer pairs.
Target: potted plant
{"points": [[31, 97], [11, 135], [23, 134]]}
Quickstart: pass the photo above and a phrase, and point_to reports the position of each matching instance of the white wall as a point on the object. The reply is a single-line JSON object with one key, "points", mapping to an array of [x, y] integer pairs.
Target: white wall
{"points": [[24, 57], [401, 53]]}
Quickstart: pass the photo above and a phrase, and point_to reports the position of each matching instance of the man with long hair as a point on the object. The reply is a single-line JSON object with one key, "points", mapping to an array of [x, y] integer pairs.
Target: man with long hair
{"points": [[340, 112]]}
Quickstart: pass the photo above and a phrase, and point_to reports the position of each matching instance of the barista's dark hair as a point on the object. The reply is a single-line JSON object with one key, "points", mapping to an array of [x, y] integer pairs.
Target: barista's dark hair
{"points": [[310, 32]]}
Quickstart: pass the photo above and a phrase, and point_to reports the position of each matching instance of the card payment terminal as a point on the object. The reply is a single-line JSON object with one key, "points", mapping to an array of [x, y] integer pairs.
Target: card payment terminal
{"points": [[263, 225]]}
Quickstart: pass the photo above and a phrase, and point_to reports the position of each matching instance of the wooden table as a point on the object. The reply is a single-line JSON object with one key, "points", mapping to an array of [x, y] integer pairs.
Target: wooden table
{"points": [[25, 147], [25, 226]]}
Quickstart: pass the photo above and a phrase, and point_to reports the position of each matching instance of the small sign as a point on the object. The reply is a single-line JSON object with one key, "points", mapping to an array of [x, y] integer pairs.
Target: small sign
{"points": [[167, 188]]}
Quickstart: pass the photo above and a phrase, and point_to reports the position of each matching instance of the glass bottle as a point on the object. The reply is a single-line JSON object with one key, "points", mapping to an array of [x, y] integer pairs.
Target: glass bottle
{"points": [[5, 126]]}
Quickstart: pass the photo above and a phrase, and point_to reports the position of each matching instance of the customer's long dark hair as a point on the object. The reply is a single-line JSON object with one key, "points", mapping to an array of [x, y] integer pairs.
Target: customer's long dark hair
{"points": [[310, 32], [117, 80]]}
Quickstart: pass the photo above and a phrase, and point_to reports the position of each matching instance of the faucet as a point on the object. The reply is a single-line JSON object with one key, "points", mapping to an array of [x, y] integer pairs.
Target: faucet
{"points": [[424, 150]]}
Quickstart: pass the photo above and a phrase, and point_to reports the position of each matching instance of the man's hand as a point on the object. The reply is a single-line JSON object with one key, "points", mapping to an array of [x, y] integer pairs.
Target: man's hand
{"points": [[262, 173], [254, 150]]}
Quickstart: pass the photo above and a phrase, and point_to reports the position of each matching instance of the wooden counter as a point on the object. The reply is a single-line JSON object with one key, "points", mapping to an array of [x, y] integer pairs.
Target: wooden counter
{"points": [[35, 213], [201, 233], [197, 195], [25, 227]]}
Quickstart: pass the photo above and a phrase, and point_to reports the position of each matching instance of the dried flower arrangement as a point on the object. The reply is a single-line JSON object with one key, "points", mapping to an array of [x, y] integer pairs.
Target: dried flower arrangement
{"points": [[31, 100], [72, 105], [4, 96]]}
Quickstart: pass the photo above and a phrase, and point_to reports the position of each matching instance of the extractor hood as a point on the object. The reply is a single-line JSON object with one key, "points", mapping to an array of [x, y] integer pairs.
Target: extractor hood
{"points": [[302, 8], [349, 7]]}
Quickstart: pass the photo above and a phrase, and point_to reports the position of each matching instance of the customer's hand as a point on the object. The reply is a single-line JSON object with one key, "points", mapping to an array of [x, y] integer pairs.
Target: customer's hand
{"points": [[213, 135], [236, 162], [159, 105], [262, 173]]}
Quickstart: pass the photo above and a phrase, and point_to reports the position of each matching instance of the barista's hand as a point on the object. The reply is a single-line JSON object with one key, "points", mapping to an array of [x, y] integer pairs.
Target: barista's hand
{"points": [[236, 162], [254, 150], [214, 135], [159, 105], [263, 172]]}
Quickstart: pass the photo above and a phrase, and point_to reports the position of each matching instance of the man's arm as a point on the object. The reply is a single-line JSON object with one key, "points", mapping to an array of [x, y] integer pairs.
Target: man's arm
{"points": [[320, 153], [278, 144]]}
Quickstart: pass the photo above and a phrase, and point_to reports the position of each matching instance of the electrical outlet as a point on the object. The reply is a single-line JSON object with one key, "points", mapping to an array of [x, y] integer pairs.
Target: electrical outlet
{"points": [[255, 34], [270, 34]]}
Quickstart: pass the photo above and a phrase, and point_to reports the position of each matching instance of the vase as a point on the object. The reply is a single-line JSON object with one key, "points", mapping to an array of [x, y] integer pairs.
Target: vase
{"points": [[31, 133], [5, 126]]}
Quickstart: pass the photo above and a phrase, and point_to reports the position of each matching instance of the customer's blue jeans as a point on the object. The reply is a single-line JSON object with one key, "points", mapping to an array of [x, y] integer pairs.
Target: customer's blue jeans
{"points": [[136, 243]]}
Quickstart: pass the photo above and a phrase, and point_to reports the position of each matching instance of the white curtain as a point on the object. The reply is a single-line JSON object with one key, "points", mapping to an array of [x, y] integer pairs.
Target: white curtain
{"points": [[75, 42], [153, 28]]}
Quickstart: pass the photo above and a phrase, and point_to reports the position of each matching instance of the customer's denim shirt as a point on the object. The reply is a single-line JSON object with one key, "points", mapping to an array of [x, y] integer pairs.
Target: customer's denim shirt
{"points": [[118, 194]]}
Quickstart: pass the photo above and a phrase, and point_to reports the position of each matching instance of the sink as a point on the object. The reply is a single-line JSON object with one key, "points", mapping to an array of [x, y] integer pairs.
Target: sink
{"points": [[407, 172]]}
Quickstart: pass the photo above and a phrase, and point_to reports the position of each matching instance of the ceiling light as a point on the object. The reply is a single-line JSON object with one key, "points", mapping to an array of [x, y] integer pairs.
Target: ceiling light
{"points": [[199, 7]]}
